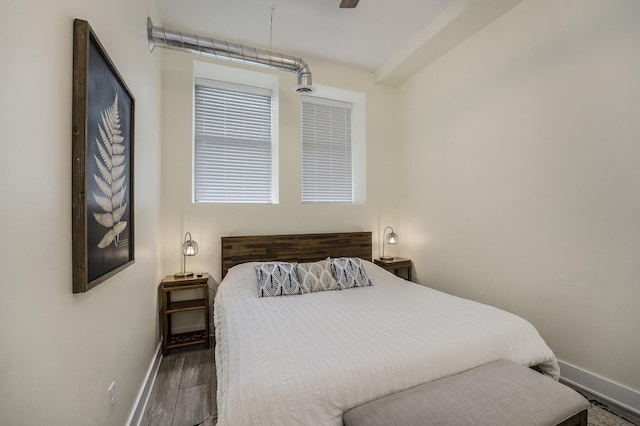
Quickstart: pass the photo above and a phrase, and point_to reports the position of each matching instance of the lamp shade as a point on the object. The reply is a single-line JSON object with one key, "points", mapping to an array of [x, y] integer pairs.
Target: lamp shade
{"points": [[189, 247], [392, 238]]}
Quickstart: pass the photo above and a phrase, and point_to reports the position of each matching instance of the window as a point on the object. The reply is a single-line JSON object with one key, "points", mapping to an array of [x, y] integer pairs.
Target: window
{"points": [[234, 154], [333, 152], [326, 151]]}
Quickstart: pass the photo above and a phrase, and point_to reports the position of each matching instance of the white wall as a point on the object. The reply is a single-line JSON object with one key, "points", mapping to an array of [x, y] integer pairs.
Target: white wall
{"points": [[520, 186], [208, 222], [59, 351]]}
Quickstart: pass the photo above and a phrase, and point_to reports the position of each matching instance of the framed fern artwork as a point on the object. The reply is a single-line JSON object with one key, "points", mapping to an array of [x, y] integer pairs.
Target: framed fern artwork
{"points": [[102, 171]]}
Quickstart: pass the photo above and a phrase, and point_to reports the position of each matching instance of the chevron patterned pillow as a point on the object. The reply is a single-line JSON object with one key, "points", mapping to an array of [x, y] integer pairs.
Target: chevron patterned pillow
{"points": [[317, 276], [278, 279], [349, 272]]}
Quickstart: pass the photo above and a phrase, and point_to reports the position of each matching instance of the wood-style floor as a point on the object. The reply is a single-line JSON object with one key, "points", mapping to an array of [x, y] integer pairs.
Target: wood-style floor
{"points": [[183, 391]]}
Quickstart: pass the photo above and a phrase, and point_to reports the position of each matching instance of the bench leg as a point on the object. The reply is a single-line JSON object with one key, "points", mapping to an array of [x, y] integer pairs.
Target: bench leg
{"points": [[579, 419]]}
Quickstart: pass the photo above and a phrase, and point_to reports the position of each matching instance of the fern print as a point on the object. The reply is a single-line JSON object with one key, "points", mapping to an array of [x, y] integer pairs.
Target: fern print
{"points": [[111, 177]]}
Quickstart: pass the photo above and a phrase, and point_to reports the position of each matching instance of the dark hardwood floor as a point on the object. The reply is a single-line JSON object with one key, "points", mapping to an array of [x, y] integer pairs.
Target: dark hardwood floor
{"points": [[184, 391]]}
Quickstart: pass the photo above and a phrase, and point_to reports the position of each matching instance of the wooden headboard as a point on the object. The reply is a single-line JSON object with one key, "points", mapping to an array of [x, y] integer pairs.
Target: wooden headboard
{"points": [[294, 248]]}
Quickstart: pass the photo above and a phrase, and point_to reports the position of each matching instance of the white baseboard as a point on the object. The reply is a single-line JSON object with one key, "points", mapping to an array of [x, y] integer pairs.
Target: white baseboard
{"points": [[145, 390], [620, 395]]}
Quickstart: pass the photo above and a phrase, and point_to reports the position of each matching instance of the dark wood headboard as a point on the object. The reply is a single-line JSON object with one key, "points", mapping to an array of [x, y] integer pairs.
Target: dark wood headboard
{"points": [[294, 248]]}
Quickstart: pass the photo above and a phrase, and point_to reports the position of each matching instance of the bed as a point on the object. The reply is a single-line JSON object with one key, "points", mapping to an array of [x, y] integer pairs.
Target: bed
{"points": [[306, 359]]}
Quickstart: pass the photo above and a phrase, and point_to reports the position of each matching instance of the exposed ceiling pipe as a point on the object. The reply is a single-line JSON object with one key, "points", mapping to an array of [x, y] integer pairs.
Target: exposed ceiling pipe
{"points": [[220, 49]]}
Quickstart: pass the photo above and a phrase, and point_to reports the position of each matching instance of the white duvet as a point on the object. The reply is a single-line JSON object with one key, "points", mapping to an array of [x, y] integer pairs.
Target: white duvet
{"points": [[306, 359]]}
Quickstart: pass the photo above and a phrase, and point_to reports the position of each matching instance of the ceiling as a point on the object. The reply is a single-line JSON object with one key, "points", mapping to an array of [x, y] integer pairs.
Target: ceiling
{"points": [[381, 36]]}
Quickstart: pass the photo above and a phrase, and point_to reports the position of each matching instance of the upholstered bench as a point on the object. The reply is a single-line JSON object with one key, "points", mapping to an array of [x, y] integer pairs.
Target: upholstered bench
{"points": [[501, 393]]}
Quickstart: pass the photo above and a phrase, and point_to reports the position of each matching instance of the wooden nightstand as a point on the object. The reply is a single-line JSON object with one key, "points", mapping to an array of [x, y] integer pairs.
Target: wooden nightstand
{"points": [[169, 285], [395, 264]]}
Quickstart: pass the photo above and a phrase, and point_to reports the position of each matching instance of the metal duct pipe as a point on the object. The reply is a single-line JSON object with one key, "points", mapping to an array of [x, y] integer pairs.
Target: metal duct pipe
{"points": [[220, 49]]}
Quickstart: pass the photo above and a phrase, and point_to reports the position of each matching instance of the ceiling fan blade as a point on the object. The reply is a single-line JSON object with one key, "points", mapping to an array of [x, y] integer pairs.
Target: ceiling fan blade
{"points": [[348, 4]]}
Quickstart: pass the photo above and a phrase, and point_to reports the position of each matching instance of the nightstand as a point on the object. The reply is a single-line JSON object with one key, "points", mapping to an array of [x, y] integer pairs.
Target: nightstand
{"points": [[394, 265], [170, 285]]}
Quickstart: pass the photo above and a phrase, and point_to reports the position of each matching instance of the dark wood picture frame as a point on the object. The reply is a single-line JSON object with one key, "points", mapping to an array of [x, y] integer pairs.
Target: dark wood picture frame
{"points": [[102, 169]]}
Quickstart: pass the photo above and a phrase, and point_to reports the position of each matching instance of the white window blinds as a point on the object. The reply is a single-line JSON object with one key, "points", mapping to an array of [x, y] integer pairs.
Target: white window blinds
{"points": [[232, 143], [326, 151]]}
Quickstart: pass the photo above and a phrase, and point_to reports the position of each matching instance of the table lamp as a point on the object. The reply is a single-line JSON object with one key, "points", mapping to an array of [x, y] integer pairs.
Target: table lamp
{"points": [[390, 238], [189, 248]]}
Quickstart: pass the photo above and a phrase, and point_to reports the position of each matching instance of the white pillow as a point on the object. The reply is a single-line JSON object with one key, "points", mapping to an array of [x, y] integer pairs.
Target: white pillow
{"points": [[278, 279], [349, 272], [317, 276]]}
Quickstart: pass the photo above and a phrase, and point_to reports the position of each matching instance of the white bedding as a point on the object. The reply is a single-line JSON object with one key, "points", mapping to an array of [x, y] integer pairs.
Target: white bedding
{"points": [[305, 359]]}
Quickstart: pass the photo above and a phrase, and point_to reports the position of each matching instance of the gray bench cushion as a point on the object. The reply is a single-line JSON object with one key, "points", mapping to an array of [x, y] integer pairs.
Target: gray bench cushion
{"points": [[495, 394]]}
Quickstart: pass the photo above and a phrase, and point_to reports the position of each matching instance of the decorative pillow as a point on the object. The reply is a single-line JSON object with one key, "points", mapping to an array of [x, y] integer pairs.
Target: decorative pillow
{"points": [[317, 276], [278, 279], [349, 272]]}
